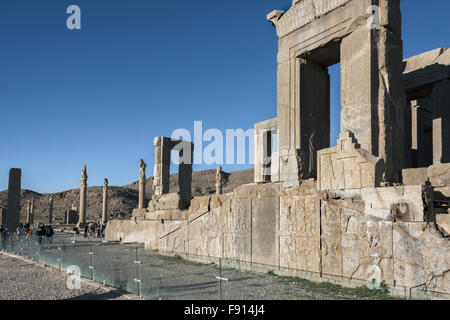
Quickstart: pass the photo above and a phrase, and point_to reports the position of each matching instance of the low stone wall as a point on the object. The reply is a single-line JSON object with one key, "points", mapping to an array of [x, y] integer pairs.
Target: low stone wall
{"points": [[302, 229]]}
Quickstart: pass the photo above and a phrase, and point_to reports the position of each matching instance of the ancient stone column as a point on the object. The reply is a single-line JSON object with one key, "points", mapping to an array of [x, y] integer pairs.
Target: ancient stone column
{"points": [[29, 211], [158, 166], [142, 167], [105, 202], [83, 195], [13, 213], [32, 212], [50, 211], [219, 181]]}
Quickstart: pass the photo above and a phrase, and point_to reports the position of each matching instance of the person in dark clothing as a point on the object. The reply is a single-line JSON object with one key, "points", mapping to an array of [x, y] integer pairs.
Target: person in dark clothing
{"points": [[102, 230], [49, 233], [3, 236], [40, 232], [85, 231]]}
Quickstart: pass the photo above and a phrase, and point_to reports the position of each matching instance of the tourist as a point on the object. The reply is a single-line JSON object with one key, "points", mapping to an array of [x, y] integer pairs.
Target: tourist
{"points": [[85, 231], [40, 233], [49, 233], [102, 230], [19, 230], [28, 234], [3, 236]]}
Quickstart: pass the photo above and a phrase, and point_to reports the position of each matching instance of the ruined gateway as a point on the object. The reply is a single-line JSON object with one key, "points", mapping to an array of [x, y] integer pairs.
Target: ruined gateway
{"points": [[377, 202]]}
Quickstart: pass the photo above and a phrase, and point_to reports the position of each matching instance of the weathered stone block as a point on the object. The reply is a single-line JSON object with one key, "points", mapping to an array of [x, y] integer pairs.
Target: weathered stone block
{"points": [[199, 204], [439, 174], [331, 239], [204, 235], [380, 202], [414, 176], [265, 211], [346, 166], [421, 256]]}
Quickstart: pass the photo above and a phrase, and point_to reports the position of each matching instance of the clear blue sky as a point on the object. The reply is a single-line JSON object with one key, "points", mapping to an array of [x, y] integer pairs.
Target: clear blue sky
{"points": [[140, 69]]}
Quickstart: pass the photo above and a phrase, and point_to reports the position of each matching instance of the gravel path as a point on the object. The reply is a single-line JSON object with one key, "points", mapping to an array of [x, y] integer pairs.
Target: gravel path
{"points": [[24, 280]]}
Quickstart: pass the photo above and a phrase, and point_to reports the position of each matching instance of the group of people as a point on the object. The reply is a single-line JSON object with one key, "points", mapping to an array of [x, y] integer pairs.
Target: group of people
{"points": [[94, 230], [42, 232]]}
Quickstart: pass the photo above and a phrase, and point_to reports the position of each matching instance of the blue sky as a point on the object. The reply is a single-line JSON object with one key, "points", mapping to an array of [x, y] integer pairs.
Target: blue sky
{"points": [[140, 69]]}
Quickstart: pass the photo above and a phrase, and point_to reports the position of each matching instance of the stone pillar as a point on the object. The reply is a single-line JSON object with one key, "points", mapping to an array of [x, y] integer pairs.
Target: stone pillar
{"points": [[161, 172], [372, 96], [28, 212], [304, 121], [83, 196], [50, 211], [219, 181], [32, 211], [13, 213], [185, 155], [105, 201], [142, 167]]}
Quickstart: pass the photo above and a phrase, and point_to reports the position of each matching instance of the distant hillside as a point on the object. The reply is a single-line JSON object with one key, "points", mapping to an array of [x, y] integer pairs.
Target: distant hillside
{"points": [[122, 200]]}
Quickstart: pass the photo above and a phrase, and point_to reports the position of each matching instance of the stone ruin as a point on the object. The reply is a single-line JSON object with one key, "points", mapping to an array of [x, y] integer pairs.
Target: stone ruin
{"points": [[163, 203], [373, 206]]}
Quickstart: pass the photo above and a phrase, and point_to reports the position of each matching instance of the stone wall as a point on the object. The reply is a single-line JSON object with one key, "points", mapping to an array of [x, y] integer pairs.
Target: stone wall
{"points": [[324, 234], [438, 175]]}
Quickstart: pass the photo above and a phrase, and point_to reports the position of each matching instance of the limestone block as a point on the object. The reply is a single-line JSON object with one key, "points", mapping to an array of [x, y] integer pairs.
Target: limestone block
{"points": [[421, 256], [139, 213], [298, 252], [265, 212], [172, 236], [379, 202], [331, 239], [366, 247], [218, 201], [414, 176], [130, 231], [246, 191], [199, 204], [303, 12], [241, 221], [346, 166], [169, 201], [354, 244], [439, 174], [299, 216], [175, 214], [204, 235], [237, 246], [290, 168], [300, 232]]}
